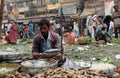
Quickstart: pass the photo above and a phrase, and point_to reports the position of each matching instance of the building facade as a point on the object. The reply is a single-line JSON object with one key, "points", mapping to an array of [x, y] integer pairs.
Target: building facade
{"points": [[37, 9]]}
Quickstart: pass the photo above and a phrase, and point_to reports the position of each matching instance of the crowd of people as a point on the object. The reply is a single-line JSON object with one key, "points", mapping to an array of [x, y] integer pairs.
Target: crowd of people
{"points": [[104, 28], [14, 31], [99, 28]]}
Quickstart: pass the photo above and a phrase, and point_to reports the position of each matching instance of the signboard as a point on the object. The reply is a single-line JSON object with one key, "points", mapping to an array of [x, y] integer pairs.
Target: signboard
{"points": [[109, 7], [53, 6], [15, 12], [69, 9]]}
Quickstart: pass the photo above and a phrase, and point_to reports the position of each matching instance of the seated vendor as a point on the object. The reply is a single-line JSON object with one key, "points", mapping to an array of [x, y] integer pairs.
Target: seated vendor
{"points": [[45, 40], [70, 36], [102, 36]]}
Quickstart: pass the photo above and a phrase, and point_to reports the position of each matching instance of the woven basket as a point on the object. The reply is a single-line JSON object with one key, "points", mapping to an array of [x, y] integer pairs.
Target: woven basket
{"points": [[6, 68], [5, 56], [83, 40], [33, 69]]}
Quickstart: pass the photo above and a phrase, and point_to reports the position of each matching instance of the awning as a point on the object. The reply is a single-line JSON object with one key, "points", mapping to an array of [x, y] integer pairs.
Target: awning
{"points": [[86, 12], [99, 11]]}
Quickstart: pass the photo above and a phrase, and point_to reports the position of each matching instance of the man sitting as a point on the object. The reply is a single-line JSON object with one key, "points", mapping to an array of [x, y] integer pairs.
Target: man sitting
{"points": [[102, 36]]}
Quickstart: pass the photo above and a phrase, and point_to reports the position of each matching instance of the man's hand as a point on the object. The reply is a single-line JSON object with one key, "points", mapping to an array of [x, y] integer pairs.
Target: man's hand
{"points": [[42, 55], [36, 54]]}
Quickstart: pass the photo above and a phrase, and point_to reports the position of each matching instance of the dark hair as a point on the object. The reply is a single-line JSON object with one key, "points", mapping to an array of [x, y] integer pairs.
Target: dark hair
{"points": [[51, 24], [44, 22], [103, 28]]}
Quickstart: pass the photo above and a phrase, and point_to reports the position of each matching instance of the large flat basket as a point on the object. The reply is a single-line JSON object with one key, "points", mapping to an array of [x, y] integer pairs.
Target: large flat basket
{"points": [[38, 65]]}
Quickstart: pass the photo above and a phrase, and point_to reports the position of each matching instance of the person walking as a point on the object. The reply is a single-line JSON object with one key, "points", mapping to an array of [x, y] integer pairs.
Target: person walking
{"points": [[116, 17], [89, 25], [31, 27], [13, 35]]}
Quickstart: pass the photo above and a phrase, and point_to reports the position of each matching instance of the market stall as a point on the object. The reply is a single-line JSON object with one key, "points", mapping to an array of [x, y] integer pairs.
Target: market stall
{"points": [[87, 59]]}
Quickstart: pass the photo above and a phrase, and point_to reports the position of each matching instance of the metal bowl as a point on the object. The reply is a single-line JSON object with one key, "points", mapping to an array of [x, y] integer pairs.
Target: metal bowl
{"points": [[52, 50]]}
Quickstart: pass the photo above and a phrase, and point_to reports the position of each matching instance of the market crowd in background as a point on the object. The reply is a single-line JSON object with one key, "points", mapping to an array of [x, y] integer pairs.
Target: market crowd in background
{"points": [[98, 28]]}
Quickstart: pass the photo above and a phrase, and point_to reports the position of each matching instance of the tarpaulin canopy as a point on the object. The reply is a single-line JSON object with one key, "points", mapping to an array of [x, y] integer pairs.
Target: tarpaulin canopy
{"points": [[88, 11]]}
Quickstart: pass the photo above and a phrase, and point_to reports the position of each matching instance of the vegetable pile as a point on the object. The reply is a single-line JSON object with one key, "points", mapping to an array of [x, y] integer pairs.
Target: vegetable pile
{"points": [[116, 40], [68, 73], [17, 75]]}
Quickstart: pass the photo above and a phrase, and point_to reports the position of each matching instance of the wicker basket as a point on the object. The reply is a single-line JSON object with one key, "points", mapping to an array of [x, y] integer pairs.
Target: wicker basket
{"points": [[5, 56], [83, 40], [6, 68], [32, 69]]}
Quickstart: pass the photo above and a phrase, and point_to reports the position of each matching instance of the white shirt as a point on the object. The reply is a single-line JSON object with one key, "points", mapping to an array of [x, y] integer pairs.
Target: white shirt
{"points": [[89, 21], [76, 26], [9, 27], [57, 26], [111, 26]]}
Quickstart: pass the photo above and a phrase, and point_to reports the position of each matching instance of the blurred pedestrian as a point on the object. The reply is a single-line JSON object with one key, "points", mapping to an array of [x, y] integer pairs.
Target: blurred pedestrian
{"points": [[70, 35], [116, 16], [57, 27], [21, 30], [89, 25], [76, 28], [111, 28], [26, 31], [13, 35], [31, 27]]}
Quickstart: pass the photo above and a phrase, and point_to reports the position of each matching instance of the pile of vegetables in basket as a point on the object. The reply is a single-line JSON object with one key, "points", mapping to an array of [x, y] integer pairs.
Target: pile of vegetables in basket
{"points": [[68, 73], [83, 40]]}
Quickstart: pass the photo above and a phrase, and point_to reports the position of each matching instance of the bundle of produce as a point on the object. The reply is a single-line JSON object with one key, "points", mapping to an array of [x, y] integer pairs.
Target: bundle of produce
{"points": [[68, 73], [84, 40], [106, 67], [116, 40]]}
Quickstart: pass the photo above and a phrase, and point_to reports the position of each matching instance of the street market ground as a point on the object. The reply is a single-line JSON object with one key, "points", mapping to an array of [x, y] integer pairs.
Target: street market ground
{"points": [[104, 53]]}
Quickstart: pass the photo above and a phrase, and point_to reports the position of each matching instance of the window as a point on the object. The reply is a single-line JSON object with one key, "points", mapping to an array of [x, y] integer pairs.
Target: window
{"points": [[41, 2], [20, 4], [53, 1]]}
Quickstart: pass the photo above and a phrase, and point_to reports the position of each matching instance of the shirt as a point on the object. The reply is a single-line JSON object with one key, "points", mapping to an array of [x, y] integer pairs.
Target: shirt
{"points": [[46, 43], [76, 26], [57, 26], [31, 26], [111, 25], [9, 27], [39, 43], [89, 21]]}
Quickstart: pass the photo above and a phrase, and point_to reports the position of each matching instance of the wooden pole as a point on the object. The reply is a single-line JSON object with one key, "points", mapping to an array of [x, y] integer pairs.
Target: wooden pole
{"points": [[1, 16]]}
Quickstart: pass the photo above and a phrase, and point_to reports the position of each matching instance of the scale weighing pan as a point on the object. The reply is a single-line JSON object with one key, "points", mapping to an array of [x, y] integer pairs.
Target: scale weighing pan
{"points": [[52, 50]]}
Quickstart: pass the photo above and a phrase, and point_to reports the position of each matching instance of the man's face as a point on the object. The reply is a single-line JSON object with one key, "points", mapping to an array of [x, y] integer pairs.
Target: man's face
{"points": [[44, 29]]}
